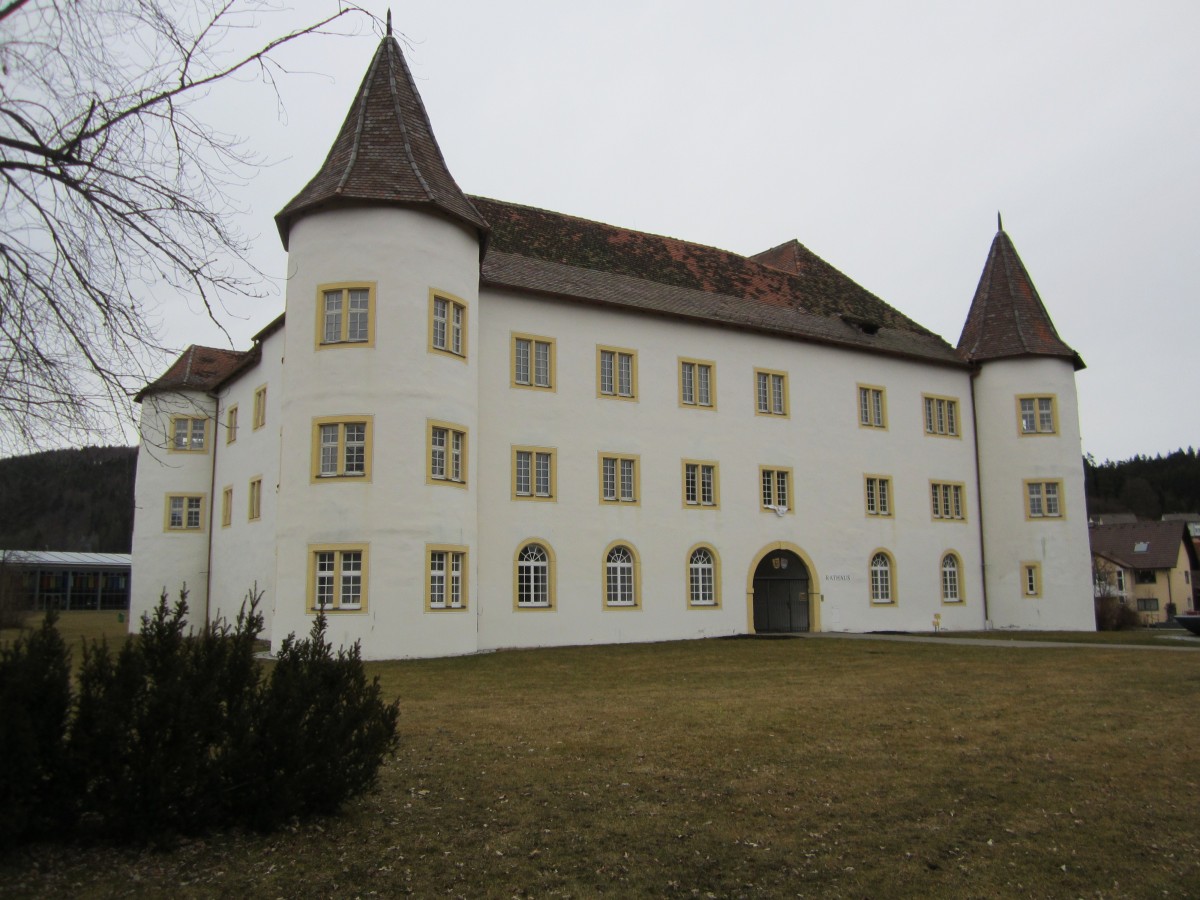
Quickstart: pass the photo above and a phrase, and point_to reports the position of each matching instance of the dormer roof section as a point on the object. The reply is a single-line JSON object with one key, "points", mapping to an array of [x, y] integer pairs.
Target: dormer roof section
{"points": [[1007, 318], [385, 153]]}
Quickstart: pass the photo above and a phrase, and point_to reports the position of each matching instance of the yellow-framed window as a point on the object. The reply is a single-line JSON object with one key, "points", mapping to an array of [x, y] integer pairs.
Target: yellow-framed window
{"points": [[1037, 414], [534, 473], [697, 383], [533, 362], [338, 577], [189, 434], [941, 416], [770, 393], [346, 314], [184, 512], [616, 372], [446, 457], [447, 324], [701, 484], [446, 577], [620, 479], [872, 406], [341, 448]]}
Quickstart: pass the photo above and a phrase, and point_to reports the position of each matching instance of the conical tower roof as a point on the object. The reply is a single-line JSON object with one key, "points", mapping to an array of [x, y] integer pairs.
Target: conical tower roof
{"points": [[385, 152], [1007, 318]]}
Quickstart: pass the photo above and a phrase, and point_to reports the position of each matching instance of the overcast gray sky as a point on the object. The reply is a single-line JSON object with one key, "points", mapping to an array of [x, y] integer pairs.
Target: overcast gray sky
{"points": [[884, 136]]}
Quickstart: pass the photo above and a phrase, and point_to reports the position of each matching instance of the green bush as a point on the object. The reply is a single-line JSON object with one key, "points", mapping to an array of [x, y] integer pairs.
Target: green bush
{"points": [[1113, 615], [35, 701], [179, 733]]}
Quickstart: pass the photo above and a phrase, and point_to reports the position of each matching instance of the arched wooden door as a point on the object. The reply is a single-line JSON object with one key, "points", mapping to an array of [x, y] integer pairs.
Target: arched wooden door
{"points": [[781, 596]]}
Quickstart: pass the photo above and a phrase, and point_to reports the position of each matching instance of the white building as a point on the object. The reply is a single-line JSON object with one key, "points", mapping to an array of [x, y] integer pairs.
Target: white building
{"points": [[484, 425]]}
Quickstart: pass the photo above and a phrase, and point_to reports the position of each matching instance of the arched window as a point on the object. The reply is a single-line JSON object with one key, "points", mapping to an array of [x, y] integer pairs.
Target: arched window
{"points": [[619, 583], [951, 593], [534, 577], [702, 589], [881, 578]]}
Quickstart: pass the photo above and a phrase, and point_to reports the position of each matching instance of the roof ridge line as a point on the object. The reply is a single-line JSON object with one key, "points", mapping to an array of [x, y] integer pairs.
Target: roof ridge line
{"points": [[400, 116], [358, 128]]}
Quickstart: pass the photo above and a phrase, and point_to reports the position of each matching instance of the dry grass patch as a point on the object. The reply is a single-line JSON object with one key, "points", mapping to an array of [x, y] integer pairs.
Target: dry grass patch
{"points": [[736, 768]]}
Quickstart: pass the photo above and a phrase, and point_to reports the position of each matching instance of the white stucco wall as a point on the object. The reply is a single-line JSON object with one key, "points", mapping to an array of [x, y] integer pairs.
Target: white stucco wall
{"points": [[245, 549], [164, 559], [1007, 460], [402, 385], [821, 441]]}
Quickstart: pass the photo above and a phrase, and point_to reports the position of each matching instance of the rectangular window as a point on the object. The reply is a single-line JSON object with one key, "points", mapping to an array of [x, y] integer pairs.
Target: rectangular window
{"points": [[255, 504], [770, 393], [616, 373], [947, 499], [776, 489], [260, 407], [1147, 604], [231, 424], [446, 579], [1032, 578], [1121, 582], [878, 490], [337, 578], [185, 512], [533, 473], [342, 449], [447, 454], [1043, 500], [1145, 576], [532, 361], [346, 314], [872, 408], [619, 479], [227, 507], [941, 415], [700, 484], [447, 324], [1037, 415], [697, 383], [188, 433]]}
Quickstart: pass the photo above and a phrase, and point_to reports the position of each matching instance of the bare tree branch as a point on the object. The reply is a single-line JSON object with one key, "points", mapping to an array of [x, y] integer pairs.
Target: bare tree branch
{"points": [[112, 187]]}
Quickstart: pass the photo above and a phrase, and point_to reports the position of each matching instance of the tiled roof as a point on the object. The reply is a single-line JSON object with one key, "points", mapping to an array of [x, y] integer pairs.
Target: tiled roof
{"points": [[385, 152], [551, 253], [1162, 540], [198, 369], [1007, 318]]}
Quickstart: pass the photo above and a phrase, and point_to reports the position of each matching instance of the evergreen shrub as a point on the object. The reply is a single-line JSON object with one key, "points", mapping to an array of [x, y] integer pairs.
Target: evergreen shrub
{"points": [[179, 733]]}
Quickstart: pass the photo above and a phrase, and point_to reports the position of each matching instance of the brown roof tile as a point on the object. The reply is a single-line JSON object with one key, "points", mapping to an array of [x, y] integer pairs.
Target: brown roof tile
{"points": [[547, 252], [1007, 317], [1162, 539], [197, 369], [385, 153]]}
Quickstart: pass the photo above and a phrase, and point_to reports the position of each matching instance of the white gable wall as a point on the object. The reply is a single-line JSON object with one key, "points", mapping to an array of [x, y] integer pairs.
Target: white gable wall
{"points": [[165, 559]]}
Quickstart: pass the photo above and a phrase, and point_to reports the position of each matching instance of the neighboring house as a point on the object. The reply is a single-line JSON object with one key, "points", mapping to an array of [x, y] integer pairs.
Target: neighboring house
{"points": [[486, 425], [46, 579], [1147, 564]]}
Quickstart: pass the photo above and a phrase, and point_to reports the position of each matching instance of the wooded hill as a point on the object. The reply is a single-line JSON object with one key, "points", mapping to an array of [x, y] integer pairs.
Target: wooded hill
{"points": [[80, 500], [1144, 486]]}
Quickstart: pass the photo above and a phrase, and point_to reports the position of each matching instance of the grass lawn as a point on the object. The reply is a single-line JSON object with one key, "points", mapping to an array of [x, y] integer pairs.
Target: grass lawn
{"points": [[726, 768], [1160, 637], [74, 625]]}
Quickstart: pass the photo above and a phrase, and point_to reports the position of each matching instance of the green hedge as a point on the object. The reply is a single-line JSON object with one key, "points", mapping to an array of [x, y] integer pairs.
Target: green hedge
{"points": [[179, 733]]}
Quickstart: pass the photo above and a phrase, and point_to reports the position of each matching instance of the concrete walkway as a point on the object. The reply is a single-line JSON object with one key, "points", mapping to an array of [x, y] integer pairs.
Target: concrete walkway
{"points": [[1187, 643]]}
